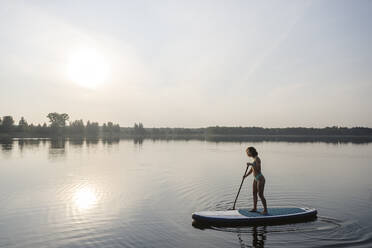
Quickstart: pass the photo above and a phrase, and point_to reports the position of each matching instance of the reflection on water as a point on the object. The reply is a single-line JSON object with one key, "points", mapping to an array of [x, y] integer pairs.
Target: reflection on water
{"points": [[29, 143], [77, 141], [258, 238], [58, 143], [110, 141], [138, 141], [7, 145], [92, 142], [141, 193], [57, 146], [256, 235], [85, 197], [249, 236], [57, 149], [293, 139]]}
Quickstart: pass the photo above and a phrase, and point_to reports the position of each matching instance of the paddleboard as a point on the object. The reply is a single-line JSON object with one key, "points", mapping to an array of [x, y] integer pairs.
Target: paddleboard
{"points": [[244, 216]]}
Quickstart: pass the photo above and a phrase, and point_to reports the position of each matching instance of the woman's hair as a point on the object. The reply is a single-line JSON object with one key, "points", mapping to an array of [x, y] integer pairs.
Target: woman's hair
{"points": [[252, 151]]}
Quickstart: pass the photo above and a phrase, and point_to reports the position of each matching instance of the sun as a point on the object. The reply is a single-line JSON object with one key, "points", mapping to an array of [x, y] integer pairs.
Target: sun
{"points": [[87, 68]]}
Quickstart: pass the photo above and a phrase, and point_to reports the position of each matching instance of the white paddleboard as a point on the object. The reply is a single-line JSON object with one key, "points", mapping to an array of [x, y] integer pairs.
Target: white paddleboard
{"points": [[244, 216]]}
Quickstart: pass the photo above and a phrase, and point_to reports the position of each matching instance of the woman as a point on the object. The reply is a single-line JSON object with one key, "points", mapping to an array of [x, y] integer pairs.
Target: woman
{"points": [[259, 179]]}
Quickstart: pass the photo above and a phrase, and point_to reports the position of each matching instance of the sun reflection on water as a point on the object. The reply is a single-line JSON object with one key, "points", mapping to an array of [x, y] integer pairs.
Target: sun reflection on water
{"points": [[85, 198]]}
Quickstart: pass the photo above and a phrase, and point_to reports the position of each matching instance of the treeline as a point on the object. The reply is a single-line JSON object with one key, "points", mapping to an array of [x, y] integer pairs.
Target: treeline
{"points": [[250, 131], [332, 131], [60, 125], [57, 126], [174, 132]]}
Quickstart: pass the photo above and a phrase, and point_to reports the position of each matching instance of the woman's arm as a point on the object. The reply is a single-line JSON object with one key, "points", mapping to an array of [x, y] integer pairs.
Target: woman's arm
{"points": [[249, 172], [255, 165]]}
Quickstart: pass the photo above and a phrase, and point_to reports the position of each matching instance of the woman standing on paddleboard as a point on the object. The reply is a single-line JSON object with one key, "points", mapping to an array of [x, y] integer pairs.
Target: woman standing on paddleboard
{"points": [[259, 179]]}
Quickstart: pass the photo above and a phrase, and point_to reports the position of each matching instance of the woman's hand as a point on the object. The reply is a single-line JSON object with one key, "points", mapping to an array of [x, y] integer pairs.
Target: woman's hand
{"points": [[249, 172]]}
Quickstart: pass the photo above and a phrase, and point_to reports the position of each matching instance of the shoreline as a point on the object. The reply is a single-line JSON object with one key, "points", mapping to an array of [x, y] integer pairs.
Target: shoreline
{"points": [[210, 138]]}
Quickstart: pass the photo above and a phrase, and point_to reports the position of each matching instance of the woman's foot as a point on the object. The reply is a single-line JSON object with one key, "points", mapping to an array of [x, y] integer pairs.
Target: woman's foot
{"points": [[264, 212], [253, 210]]}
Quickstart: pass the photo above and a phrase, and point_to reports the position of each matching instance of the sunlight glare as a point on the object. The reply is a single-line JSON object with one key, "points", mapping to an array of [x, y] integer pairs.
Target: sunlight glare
{"points": [[87, 68], [85, 198]]}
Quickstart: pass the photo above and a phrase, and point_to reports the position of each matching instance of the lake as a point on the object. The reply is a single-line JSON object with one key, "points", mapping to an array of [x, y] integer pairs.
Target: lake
{"points": [[125, 193]]}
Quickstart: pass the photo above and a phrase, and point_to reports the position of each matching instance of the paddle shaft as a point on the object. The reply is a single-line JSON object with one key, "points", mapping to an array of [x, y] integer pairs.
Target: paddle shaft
{"points": [[236, 198]]}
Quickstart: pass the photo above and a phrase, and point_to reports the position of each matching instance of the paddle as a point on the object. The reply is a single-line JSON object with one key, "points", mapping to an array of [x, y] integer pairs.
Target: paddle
{"points": [[240, 187]]}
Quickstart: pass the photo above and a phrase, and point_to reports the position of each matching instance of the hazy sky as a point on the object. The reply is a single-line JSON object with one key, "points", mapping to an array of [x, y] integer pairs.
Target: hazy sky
{"points": [[188, 63]]}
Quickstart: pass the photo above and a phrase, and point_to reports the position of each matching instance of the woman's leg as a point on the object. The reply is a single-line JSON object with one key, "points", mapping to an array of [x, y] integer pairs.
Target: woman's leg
{"points": [[261, 187], [254, 191]]}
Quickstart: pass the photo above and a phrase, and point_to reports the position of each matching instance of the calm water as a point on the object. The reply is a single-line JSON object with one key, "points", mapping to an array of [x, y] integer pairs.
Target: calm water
{"points": [[126, 194]]}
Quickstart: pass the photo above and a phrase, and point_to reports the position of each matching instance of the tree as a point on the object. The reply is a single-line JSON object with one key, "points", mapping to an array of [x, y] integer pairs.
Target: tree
{"points": [[7, 123], [58, 120], [44, 130], [22, 125], [110, 125], [110, 129], [139, 129], [77, 127], [117, 128], [92, 128]]}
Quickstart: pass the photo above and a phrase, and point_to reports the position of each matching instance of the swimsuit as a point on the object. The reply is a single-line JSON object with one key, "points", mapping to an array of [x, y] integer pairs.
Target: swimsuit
{"points": [[257, 177]]}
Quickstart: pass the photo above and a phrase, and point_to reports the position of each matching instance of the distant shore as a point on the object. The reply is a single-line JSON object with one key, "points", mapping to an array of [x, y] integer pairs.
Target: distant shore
{"points": [[60, 126], [141, 132]]}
